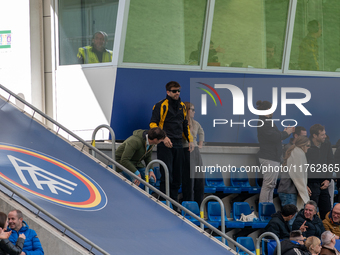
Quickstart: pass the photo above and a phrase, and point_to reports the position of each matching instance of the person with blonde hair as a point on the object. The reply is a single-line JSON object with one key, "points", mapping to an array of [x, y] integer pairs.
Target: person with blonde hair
{"points": [[293, 184], [193, 182], [313, 244]]}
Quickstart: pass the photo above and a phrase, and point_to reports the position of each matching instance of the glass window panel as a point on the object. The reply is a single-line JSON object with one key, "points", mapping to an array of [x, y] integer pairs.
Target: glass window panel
{"points": [[316, 37], [248, 33], [165, 32], [79, 24]]}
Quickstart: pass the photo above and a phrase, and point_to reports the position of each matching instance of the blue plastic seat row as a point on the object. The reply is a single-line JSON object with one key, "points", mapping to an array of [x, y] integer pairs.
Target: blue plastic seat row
{"points": [[239, 182], [214, 214]]}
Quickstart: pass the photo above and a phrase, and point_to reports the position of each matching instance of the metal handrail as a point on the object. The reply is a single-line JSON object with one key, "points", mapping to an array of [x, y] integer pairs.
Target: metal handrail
{"points": [[278, 244], [222, 234], [222, 212], [113, 136], [166, 172], [175, 203]]}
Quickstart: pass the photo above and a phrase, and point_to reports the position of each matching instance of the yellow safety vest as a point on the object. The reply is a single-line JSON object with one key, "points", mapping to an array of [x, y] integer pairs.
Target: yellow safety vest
{"points": [[90, 57]]}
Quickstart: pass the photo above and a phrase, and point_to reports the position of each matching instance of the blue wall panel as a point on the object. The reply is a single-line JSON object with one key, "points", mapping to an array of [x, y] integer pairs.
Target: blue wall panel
{"points": [[137, 90]]}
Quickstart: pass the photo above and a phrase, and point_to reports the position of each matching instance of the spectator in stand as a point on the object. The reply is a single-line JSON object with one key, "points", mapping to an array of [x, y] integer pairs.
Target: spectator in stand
{"points": [[279, 221], [320, 154], [270, 152], [293, 184], [294, 245], [308, 221], [328, 244], [299, 131], [136, 149], [6, 247], [337, 163], [18, 226], [192, 181], [332, 221], [313, 244], [170, 115]]}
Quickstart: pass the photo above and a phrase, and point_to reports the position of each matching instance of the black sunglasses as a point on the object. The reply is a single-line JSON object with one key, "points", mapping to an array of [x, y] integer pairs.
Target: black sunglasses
{"points": [[175, 90], [193, 109]]}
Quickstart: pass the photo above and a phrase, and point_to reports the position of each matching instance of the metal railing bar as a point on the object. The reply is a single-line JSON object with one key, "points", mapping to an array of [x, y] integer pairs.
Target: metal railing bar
{"points": [[175, 203], [65, 226]]}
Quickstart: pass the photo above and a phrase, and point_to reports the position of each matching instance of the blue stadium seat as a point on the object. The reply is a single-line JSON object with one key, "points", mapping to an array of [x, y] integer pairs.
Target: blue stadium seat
{"points": [[193, 207], [214, 216], [157, 173], [243, 207], [215, 180], [266, 210], [247, 242], [240, 179]]}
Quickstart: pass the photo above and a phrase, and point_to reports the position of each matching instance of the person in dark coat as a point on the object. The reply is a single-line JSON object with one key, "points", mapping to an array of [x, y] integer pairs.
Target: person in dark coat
{"points": [[6, 247], [294, 245], [308, 221], [320, 153], [269, 156], [279, 221]]}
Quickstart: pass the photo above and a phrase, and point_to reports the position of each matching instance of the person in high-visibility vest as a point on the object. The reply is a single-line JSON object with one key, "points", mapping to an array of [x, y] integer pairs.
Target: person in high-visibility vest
{"points": [[96, 52]]}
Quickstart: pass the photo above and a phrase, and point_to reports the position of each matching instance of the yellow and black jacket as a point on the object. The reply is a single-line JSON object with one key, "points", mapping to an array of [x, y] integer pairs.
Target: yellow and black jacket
{"points": [[87, 55], [170, 115]]}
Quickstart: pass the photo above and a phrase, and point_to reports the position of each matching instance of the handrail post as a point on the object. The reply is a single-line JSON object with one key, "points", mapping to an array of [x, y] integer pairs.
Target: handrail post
{"points": [[166, 172], [258, 242], [112, 133], [212, 197]]}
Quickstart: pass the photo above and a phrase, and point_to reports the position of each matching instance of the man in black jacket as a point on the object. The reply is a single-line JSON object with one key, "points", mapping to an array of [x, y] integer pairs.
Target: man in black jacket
{"points": [[320, 159], [294, 245], [279, 222], [308, 221], [170, 115]]}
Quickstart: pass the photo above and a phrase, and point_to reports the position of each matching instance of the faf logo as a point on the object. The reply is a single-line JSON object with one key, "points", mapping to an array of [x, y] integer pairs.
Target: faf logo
{"points": [[50, 179]]}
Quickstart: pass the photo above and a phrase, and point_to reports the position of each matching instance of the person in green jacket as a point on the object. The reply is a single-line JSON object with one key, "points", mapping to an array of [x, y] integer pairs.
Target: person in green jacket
{"points": [[138, 148]]}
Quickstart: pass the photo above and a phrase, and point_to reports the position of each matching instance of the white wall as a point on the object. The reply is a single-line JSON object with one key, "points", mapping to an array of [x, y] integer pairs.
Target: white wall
{"points": [[15, 61], [84, 98]]}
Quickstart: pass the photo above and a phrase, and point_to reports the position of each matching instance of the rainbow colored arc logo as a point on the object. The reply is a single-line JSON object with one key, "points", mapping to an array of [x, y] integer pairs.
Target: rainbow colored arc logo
{"points": [[209, 93], [50, 179]]}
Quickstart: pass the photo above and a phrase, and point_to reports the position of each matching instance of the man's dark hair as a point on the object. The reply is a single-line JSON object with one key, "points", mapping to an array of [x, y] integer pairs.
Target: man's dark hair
{"points": [[288, 210], [3, 219], [263, 105], [295, 233], [316, 129], [313, 203], [298, 130], [313, 26], [157, 133], [172, 84]]}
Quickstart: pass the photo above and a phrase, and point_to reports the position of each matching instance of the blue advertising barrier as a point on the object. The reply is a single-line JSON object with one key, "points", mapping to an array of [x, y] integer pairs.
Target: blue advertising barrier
{"points": [[148, 87], [87, 197]]}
